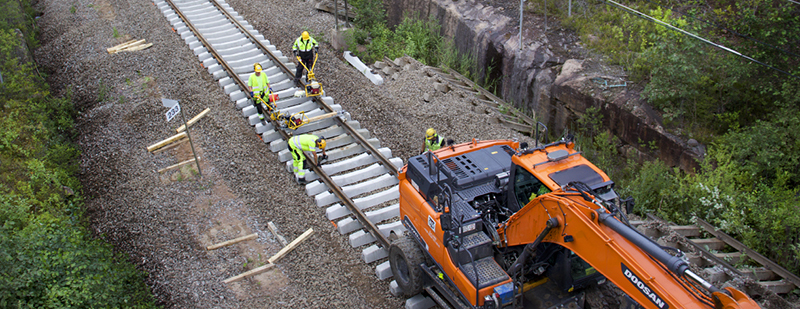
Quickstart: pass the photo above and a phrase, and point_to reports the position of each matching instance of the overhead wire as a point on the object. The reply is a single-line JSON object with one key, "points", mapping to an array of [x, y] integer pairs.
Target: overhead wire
{"points": [[722, 47], [731, 30]]}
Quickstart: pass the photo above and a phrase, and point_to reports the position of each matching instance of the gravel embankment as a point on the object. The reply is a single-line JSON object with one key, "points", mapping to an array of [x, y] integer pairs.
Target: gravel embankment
{"points": [[163, 222]]}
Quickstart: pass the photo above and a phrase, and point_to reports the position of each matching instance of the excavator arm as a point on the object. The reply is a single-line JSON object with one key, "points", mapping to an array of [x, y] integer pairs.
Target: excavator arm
{"points": [[638, 266]]}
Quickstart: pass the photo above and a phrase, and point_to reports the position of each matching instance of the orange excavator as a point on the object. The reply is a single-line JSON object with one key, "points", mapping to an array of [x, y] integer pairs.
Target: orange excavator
{"points": [[495, 224]]}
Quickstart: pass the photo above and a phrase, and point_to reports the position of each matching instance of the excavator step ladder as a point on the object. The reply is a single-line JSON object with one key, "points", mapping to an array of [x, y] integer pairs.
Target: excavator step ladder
{"points": [[489, 273]]}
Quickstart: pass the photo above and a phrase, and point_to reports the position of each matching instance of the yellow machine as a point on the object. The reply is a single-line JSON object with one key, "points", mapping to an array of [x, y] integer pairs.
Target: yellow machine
{"points": [[313, 88]]}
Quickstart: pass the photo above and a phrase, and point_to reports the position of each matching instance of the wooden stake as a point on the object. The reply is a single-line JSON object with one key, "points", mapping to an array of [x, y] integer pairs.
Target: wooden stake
{"points": [[291, 246], [272, 260], [232, 241], [193, 120], [166, 141], [254, 271], [174, 166]]}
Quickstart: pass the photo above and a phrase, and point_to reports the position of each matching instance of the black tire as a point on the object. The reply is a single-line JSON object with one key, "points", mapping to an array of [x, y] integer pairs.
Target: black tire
{"points": [[404, 258]]}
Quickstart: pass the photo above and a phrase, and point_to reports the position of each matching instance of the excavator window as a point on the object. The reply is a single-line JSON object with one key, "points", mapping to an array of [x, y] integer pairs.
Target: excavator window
{"points": [[527, 187]]}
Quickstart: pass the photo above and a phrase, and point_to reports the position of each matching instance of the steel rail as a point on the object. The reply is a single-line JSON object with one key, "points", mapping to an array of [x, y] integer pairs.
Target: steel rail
{"points": [[337, 190]]}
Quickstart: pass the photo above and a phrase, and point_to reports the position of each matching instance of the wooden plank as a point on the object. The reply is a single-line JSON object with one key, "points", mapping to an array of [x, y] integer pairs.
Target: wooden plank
{"points": [[686, 230], [323, 116], [254, 271], [232, 241], [174, 166], [272, 228], [118, 46], [167, 141], [778, 287], [273, 259], [291, 246], [135, 48], [709, 243], [124, 45], [171, 146], [193, 120], [750, 253]]}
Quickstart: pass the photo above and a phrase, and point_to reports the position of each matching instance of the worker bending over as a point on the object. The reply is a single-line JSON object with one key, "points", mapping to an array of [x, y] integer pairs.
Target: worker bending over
{"points": [[258, 84], [299, 145], [432, 141], [304, 48]]}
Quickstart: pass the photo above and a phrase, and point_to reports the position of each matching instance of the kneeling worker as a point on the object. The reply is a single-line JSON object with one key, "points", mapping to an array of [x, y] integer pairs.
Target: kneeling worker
{"points": [[432, 141], [298, 145]]}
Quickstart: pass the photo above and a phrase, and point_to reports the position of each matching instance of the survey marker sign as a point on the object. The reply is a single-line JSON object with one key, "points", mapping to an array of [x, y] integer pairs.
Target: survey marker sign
{"points": [[174, 106]]}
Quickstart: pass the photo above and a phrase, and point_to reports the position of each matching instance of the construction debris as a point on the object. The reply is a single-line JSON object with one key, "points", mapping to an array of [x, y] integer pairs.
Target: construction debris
{"points": [[132, 45], [174, 166], [232, 241], [273, 259], [193, 120], [167, 141], [272, 228]]}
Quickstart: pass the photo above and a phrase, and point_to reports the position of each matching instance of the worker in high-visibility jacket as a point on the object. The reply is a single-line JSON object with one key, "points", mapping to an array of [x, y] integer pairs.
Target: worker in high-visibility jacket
{"points": [[301, 144], [258, 84], [432, 141], [304, 48]]}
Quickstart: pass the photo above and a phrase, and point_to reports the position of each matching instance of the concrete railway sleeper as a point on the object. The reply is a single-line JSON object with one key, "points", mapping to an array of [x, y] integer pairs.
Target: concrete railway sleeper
{"points": [[359, 178]]}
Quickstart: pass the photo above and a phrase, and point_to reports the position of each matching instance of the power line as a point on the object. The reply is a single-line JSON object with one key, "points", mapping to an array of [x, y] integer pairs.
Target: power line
{"points": [[700, 38]]}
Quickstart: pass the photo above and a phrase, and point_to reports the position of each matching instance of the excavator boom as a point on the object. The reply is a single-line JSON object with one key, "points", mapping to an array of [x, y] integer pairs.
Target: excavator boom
{"points": [[638, 266]]}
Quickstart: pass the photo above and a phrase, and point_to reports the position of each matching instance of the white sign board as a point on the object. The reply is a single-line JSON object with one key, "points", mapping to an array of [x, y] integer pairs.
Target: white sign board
{"points": [[173, 111]]}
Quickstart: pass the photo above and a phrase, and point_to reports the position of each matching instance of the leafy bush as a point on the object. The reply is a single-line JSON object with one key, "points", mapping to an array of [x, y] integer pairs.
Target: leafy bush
{"points": [[694, 84], [47, 256]]}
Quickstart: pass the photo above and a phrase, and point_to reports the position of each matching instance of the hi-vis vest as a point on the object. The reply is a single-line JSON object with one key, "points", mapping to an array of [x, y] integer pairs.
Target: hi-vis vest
{"points": [[304, 46], [258, 83], [305, 142], [434, 144]]}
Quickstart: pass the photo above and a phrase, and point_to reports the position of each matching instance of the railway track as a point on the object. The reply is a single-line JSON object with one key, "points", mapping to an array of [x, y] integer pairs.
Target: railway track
{"points": [[358, 183], [510, 117], [715, 248]]}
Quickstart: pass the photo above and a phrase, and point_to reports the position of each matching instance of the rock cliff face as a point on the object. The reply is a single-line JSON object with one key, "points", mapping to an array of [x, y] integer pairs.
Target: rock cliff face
{"points": [[556, 88]]}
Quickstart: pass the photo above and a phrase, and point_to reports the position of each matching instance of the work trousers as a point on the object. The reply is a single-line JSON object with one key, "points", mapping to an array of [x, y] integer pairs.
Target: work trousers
{"points": [[257, 103], [308, 60], [299, 161]]}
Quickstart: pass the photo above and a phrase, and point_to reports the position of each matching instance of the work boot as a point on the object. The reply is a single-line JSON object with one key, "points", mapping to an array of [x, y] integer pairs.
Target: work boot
{"points": [[261, 116], [302, 180]]}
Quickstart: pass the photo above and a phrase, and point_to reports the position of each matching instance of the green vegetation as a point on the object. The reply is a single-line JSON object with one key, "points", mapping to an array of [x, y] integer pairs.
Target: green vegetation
{"points": [[701, 89], [748, 185], [115, 32], [748, 114], [47, 256], [416, 37]]}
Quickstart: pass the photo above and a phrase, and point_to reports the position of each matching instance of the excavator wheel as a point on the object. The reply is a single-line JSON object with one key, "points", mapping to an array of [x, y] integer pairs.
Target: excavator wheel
{"points": [[404, 258]]}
